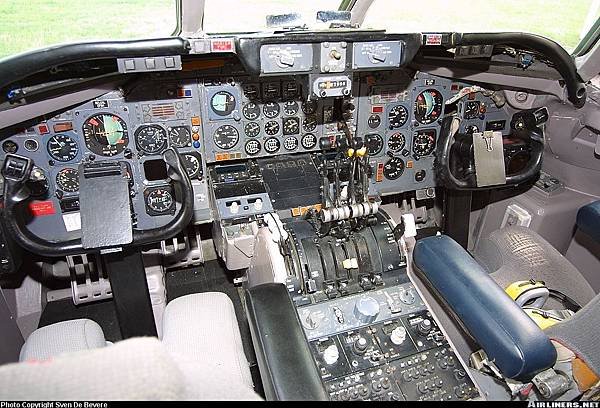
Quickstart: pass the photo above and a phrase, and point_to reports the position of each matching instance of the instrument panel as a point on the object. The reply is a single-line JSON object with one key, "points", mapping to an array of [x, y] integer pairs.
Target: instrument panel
{"points": [[231, 118]]}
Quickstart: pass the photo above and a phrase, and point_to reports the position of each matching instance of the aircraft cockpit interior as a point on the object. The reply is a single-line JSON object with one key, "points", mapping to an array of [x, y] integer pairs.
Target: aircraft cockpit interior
{"points": [[322, 209]]}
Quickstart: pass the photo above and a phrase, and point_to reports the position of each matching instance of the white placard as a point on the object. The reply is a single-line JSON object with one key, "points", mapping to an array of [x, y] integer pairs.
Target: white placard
{"points": [[72, 221]]}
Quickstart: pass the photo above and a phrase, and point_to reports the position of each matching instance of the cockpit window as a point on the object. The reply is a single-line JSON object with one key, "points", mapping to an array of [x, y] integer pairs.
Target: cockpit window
{"points": [[234, 16], [565, 22], [32, 24]]}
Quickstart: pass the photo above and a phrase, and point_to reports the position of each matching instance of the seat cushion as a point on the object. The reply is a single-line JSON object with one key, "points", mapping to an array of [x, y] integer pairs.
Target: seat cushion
{"points": [[201, 332], [134, 369], [63, 337], [517, 253]]}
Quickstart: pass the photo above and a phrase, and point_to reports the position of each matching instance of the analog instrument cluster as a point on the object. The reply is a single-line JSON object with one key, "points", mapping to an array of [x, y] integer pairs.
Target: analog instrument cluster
{"points": [[135, 130], [248, 118]]}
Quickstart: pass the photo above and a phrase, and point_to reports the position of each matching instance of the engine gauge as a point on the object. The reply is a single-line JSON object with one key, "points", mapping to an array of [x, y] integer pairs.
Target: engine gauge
{"points": [[271, 127], [374, 144], [271, 109], [291, 126], [62, 148], [105, 134], [226, 137], [31, 145], [429, 106], [472, 109], [424, 142], [159, 201], [223, 103], [470, 129], [180, 136], [8, 146], [252, 129], [309, 123], [308, 141], [396, 142], [150, 139], [309, 107], [272, 145], [251, 111], [251, 92], [252, 147], [393, 168], [290, 108], [397, 116], [67, 180], [374, 121], [193, 165], [290, 143]]}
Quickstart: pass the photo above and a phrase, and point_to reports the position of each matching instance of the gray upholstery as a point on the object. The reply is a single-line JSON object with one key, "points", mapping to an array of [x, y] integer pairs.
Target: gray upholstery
{"points": [[580, 334], [64, 337], [201, 332], [134, 369], [517, 253], [200, 358]]}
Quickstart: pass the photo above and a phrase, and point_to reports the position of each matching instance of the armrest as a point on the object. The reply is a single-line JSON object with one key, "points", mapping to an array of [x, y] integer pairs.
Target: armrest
{"points": [[588, 220], [287, 368], [509, 337]]}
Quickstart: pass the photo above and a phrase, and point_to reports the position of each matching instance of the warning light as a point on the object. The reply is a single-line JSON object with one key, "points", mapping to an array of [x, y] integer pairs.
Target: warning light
{"points": [[63, 127], [377, 109], [43, 129]]}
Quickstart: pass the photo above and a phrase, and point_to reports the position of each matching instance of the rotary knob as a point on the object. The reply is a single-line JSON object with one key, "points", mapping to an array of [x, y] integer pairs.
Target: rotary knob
{"points": [[424, 327], [398, 335], [366, 310], [331, 354], [360, 345], [407, 296]]}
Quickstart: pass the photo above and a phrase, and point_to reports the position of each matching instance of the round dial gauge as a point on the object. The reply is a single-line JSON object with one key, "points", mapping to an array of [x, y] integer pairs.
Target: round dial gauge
{"points": [[151, 139], [393, 168], [251, 91], [309, 107], [222, 103], [252, 129], [226, 137], [309, 123], [67, 180], [252, 147], [470, 129], [397, 116], [424, 142], [291, 126], [429, 106], [471, 109], [374, 144], [192, 165], [396, 142], [271, 109], [374, 121], [31, 145], [271, 127], [105, 134], [251, 111], [180, 136], [272, 145], [62, 148], [290, 143], [9, 146], [308, 141], [159, 201], [290, 108]]}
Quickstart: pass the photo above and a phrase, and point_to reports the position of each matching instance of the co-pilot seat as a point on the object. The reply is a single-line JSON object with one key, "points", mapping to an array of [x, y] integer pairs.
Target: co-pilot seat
{"points": [[200, 356], [473, 290]]}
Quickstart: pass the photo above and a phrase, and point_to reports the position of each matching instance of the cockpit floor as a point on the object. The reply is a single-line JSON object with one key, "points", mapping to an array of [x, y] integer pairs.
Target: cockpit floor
{"points": [[103, 313]]}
